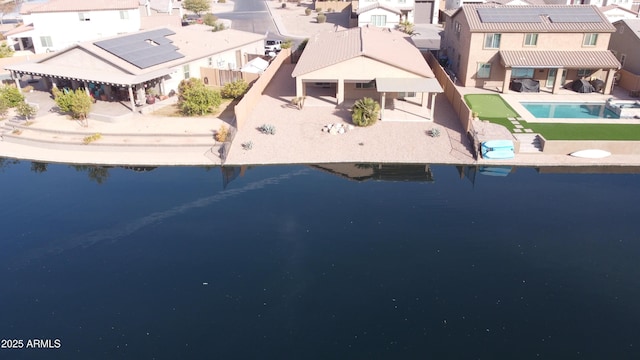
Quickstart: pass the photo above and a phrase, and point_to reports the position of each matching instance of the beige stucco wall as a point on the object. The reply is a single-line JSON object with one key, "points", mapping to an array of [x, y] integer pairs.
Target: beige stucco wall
{"points": [[515, 41], [359, 68]]}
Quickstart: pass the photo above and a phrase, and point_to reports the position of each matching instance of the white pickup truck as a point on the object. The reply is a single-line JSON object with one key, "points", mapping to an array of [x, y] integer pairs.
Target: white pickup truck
{"points": [[272, 46]]}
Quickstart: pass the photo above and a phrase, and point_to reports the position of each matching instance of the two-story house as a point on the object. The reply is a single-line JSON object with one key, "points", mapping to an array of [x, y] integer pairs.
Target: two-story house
{"points": [[625, 45], [490, 45], [56, 24], [384, 13]]}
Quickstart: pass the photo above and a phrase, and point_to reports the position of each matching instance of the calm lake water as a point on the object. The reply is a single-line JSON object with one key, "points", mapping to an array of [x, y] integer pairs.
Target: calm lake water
{"points": [[297, 262]]}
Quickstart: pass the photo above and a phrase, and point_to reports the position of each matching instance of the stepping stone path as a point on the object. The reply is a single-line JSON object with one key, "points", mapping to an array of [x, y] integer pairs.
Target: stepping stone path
{"points": [[518, 128]]}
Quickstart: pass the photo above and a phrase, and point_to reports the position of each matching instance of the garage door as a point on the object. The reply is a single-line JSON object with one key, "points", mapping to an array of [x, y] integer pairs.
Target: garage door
{"points": [[423, 12]]}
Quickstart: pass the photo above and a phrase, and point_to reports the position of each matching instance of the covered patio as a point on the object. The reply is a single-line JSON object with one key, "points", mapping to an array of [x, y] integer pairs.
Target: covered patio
{"points": [[554, 68]]}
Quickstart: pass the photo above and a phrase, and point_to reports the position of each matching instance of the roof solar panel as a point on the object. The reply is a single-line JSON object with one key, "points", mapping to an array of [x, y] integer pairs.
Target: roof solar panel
{"points": [[143, 50], [536, 15]]}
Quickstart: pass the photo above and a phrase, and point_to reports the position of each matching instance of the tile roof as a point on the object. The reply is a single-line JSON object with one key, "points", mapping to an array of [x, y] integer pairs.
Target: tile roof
{"points": [[632, 24], [476, 24], [603, 59], [78, 5], [388, 46]]}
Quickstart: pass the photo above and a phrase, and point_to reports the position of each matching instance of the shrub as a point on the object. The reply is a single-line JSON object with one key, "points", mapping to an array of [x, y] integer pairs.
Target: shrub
{"points": [[6, 51], [321, 18], [234, 89], [248, 145], [284, 5], [219, 26], [286, 44], [4, 110], [209, 19], [26, 110], [365, 112], [91, 138], [77, 102], [196, 99], [307, 11], [222, 134], [11, 95], [434, 132], [267, 129]]}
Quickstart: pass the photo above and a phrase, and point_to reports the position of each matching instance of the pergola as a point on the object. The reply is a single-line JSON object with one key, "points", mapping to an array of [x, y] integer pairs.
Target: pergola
{"points": [[427, 87]]}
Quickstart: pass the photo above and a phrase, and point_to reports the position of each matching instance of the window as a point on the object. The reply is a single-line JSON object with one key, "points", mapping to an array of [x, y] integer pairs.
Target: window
{"points": [[83, 16], [531, 39], [590, 40], [124, 15], [522, 73], [484, 70], [185, 70], [584, 72], [379, 20], [457, 28], [46, 41], [367, 85], [210, 61], [492, 41], [623, 57]]}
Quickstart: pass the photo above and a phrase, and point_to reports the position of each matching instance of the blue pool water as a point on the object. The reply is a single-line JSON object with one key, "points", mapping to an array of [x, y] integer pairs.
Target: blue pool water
{"points": [[569, 110], [360, 261]]}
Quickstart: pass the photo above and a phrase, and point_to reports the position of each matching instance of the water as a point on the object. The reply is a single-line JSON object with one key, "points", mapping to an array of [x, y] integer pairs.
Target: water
{"points": [[569, 110], [295, 262]]}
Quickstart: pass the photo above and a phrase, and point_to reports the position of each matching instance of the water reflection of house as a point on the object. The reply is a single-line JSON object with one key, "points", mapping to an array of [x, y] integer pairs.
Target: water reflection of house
{"points": [[379, 172]]}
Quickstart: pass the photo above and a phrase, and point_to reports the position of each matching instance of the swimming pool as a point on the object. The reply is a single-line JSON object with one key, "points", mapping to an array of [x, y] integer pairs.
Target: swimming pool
{"points": [[569, 110]]}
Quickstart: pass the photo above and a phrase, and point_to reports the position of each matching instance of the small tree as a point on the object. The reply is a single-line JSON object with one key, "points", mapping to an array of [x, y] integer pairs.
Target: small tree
{"points": [[321, 18], [4, 109], [209, 19], [196, 99], [365, 112], [406, 27], [287, 44], [234, 89], [196, 6], [26, 110], [6, 51], [11, 95], [77, 103]]}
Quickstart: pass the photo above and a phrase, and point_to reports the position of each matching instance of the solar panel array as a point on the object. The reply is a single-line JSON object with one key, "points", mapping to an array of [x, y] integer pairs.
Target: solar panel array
{"points": [[535, 15], [143, 50]]}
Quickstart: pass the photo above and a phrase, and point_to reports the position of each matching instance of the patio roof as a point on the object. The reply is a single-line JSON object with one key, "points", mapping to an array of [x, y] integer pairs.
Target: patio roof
{"points": [[408, 85], [603, 59]]}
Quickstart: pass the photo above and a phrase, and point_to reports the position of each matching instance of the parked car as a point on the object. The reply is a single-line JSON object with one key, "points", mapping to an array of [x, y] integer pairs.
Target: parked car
{"points": [[272, 46]]}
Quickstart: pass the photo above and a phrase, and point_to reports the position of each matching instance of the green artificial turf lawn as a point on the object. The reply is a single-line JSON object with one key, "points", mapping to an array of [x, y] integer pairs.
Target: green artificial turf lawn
{"points": [[493, 108]]}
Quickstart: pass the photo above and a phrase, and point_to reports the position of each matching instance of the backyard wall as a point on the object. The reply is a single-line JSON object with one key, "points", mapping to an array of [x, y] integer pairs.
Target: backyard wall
{"points": [[243, 109], [569, 146], [629, 80], [336, 6]]}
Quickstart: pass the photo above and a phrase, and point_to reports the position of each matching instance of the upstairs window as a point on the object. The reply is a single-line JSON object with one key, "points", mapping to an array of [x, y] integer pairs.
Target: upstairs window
{"points": [[124, 15], [590, 40], [46, 41], [186, 71], [84, 16], [492, 41], [530, 39], [458, 29]]}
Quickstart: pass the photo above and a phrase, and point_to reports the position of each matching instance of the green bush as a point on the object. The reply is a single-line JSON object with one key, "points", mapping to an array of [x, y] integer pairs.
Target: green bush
{"points": [[365, 112], [77, 102], [26, 110], [11, 95], [196, 99], [4, 110], [234, 89], [307, 11], [218, 26], [209, 19], [5, 50], [321, 18]]}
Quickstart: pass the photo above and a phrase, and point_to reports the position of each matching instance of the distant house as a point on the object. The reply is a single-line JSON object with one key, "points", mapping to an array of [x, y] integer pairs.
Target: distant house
{"points": [[390, 13], [123, 68], [625, 44], [57, 24], [616, 12], [366, 62], [491, 45]]}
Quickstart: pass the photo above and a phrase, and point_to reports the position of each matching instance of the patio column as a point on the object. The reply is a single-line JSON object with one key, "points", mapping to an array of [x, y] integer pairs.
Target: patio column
{"points": [[162, 91], [16, 78], [299, 87], [383, 99], [432, 106], [557, 81], [608, 84], [424, 99], [133, 104], [340, 92], [506, 81], [86, 88]]}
